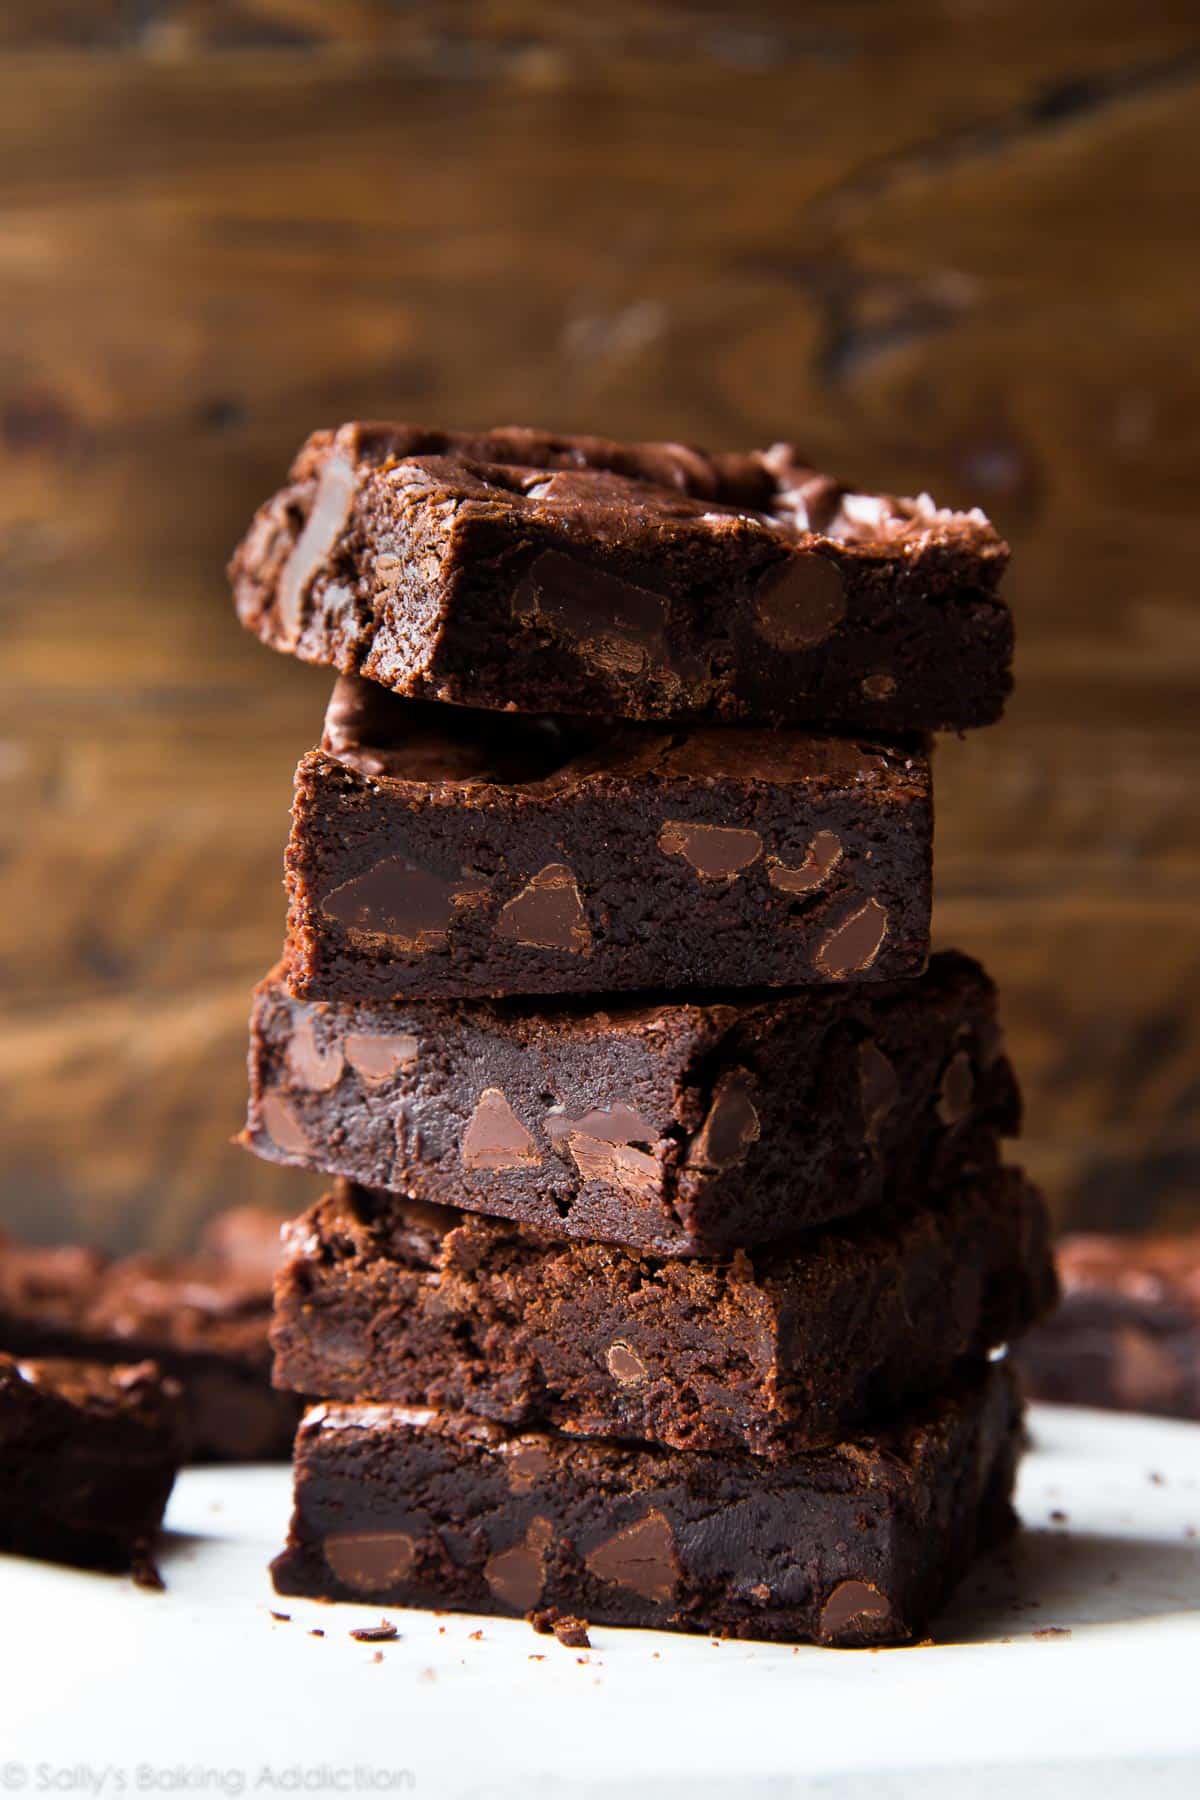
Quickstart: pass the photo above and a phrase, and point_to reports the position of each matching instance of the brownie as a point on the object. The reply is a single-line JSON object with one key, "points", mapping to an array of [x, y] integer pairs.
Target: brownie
{"points": [[430, 863], [856, 1543], [88, 1457], [386, 1299], [1127, 1333], [525, 572], [203, 1318], [680, 1128]]}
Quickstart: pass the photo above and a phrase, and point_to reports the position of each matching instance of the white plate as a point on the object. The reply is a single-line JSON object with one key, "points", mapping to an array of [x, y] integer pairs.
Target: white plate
{"points": [[107, 1690]]}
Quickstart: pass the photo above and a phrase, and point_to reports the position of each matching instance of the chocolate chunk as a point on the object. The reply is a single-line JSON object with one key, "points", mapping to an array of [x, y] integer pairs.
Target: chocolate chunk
{"points": [[716, 852], [856, 1612], [397, 899], [621, 1166], [731, 1125], [516, 1576], [822, 858], [624, 1364], [376, 1057], [801, 601], [324, 526], [495, 1138], [640, 1557], [283, 1127], [365, 1561], [613, 625], [313, 1067], [547, 914], [616, 1124], [853, 945]]}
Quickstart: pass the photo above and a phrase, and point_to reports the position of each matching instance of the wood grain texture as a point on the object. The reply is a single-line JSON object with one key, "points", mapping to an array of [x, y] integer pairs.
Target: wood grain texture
{"points": [[945, 246]]}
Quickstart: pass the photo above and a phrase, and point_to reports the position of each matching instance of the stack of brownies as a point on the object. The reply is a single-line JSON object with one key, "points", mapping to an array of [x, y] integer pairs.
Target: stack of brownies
{"points": [[671, 1247]]}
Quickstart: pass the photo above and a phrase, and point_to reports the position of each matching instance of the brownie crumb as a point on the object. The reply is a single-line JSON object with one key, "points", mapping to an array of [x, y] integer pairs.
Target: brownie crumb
{"points": [[476, 1637], [316, 1632], [378, 1656], [1157, 1479], [1052, 1631], [383, 1633], [284, 1618], [1058, 1516], [566, 1627]]}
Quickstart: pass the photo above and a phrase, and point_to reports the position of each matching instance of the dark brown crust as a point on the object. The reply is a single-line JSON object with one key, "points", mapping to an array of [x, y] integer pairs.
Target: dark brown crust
{"points": [[858, 1543], [88, 1457], [683, 1129], [386, 1299], [658, 860], [423, 571], [1127, 1334], [202, 1318]]}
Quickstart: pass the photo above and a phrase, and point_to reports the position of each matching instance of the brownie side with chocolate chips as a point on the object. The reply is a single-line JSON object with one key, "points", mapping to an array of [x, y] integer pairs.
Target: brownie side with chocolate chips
{"points": [[88, 1457], [517, 570], [858, 1543], [466, 855], [679, 1128], [382, 1298]]}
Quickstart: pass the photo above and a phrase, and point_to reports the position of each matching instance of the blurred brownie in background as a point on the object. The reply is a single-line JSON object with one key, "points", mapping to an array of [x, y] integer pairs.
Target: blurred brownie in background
{"points": [[1127, 1332], [202, 1318]]}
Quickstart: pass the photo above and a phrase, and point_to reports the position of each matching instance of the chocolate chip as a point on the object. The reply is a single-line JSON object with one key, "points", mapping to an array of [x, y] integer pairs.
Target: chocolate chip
{"points": [[375, 1057], [616, 627], [878, 687], [957, 1090], [624, 1364], [313, 1067], [716, 852], [821, 859], [853, 945], [801, 601], [620, 1165], [526, 1462], [878, 1088], [731, 1126], [516, 1575], [547, 914], [398, 899], [856, 1612], [640, 1557], [331, 510], [615, 1124], [495, 1138], [282, 1125], [370, 1561]]}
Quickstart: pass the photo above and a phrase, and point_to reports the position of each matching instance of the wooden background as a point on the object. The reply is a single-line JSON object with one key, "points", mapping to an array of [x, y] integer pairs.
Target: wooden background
{"points": [[945, 245]]}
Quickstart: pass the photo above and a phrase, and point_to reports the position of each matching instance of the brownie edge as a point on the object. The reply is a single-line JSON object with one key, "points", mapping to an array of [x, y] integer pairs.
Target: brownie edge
{"points": [[857, 1544]]}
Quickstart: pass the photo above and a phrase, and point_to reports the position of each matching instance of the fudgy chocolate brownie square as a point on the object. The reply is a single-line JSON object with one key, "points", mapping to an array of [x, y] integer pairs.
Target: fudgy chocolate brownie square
{"points": [[857, 1543], [517, 570], [202, 1318], [442, 853], [1127, 1334], [88, 1457], [679, 1128], [382, 1298]]}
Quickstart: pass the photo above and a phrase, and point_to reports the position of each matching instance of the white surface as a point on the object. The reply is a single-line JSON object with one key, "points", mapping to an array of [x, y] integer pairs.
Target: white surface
{"points": [[106, 1690]]}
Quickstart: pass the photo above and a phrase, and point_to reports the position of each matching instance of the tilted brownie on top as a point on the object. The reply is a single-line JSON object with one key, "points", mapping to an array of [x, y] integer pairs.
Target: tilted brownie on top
{"points": [[436, 852], [517, 570], [88, 1457], [203, 1318], [1127, 1334], [382, 1298], [684, 1129], [857, 1543]]}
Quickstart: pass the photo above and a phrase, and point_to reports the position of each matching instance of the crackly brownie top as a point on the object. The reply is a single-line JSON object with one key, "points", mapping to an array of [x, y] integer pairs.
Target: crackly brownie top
{"points": [[379, 734], [133, 1389], [1154, 1270], [605, 489]]}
